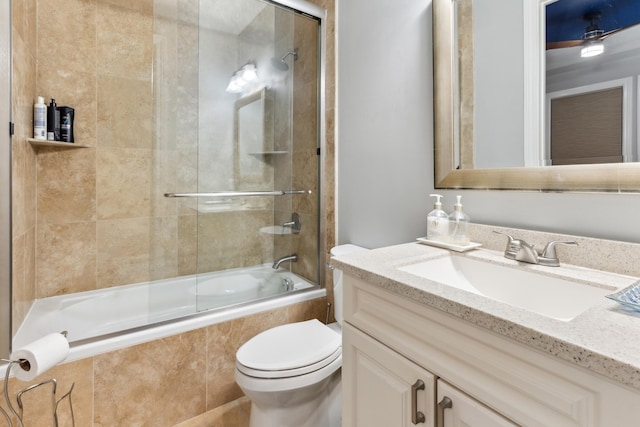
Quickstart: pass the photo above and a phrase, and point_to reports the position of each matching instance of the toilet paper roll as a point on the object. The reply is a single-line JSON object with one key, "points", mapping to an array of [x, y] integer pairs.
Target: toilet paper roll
{"points": [[39, 356]]}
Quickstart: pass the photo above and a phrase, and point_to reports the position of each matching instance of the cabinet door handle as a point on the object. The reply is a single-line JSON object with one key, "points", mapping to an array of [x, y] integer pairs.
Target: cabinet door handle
{"points": [[444, 404], [416, 416]]}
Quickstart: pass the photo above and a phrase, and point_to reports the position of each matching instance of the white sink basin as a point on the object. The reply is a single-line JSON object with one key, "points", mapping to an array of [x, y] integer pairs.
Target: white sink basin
{"points": [[550, 296]]}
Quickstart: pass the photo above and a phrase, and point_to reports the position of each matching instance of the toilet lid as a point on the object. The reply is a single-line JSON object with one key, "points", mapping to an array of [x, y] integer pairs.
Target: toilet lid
{"points": [[290, 346]]}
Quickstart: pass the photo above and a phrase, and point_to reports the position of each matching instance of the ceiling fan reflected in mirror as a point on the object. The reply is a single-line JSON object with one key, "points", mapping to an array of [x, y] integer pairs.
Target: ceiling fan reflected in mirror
{"points": [[592, 41]]}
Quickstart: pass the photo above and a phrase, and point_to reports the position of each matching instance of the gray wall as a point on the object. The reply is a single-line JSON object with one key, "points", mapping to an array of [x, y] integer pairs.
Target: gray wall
{"points": [[385, 142], [384, 120], [498, 84]]}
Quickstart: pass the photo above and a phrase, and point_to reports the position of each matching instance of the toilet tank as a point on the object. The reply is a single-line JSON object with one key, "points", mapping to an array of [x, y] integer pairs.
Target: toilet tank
{"points": [[337, 277]]}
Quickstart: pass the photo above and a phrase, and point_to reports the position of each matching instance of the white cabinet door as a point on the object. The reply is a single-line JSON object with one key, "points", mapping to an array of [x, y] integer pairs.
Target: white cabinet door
{"points": [[381, 388], [460, 410]]}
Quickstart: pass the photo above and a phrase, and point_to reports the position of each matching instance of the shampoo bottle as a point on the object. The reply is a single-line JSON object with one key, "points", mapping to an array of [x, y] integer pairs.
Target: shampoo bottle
{"points": [[40, 119], [458, 222], [437, 221], [66, 123], [53, 122]]}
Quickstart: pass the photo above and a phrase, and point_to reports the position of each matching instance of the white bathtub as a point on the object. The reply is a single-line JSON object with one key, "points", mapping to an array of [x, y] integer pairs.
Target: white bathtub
{"points": [[108, 319]]}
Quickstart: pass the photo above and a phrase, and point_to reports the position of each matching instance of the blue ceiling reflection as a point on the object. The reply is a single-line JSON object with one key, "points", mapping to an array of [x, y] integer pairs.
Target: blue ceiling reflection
{"points": [[566, 18]]}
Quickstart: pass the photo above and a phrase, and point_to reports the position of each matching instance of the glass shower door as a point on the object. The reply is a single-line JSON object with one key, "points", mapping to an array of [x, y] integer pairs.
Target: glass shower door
{"points": [[236, 116]]}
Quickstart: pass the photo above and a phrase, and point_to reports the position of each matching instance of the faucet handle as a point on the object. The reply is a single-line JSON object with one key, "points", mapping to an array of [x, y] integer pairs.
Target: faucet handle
{"points": [[513, 245], [527, 253], [550, 250]]}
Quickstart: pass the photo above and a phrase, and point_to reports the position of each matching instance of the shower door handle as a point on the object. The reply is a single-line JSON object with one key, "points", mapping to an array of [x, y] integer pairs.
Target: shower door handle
{"points": [[239, 193]]}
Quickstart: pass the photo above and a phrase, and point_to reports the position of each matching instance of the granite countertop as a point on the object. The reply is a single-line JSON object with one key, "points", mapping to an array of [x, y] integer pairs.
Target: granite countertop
{"points": [[604, 339]]}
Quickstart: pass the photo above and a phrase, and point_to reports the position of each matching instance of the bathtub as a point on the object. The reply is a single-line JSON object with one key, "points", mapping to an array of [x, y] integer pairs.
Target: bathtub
{"points": [[112, 318]]}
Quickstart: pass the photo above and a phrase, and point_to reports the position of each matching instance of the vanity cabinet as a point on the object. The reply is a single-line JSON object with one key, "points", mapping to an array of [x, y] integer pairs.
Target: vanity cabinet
{"points": [[382, 388], [390, 342], [456, 409]]}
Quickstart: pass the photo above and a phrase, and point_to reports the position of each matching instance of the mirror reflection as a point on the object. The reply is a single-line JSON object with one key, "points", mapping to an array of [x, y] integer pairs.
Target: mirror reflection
{"points": [[592, 63], [591, 49]]}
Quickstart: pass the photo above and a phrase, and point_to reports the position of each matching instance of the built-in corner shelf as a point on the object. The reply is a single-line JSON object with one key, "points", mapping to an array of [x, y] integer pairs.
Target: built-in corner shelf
{"points": [[58, 144]]}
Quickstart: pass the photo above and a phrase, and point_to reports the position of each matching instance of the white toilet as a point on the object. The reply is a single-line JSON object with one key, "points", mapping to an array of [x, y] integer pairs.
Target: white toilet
{"points": [[291, 372]]}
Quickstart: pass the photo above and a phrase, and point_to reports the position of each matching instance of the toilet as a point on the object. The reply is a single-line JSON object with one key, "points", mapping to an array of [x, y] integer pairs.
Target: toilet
{"points": [[291, 373]]}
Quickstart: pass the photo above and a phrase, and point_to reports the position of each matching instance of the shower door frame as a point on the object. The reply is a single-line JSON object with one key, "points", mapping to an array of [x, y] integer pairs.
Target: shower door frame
{"points": [[318, 12], [5, 180]]}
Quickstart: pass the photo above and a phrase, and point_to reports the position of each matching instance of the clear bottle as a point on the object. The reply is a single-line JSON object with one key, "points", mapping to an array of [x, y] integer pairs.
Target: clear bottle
{"points": [[437, 221], [458, 224], [40, 119]]}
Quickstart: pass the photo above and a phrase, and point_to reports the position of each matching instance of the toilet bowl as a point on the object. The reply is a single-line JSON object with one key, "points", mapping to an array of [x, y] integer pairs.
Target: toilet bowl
{"points": [[291, 373]]}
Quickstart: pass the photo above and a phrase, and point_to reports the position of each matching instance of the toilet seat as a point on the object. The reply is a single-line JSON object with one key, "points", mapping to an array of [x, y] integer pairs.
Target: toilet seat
{"points": [[289, 350]]}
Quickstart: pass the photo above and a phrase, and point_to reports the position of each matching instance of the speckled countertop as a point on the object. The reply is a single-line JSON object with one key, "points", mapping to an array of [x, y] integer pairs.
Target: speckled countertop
{"points": [[604, 339]]}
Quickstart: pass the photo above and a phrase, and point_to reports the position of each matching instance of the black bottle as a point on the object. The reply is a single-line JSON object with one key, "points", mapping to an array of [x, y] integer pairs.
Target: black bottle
{"points": [[66, 123], [53, 122]]}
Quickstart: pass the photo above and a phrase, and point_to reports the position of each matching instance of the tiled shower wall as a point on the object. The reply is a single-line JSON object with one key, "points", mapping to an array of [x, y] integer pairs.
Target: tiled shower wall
{"points": [[97, 215], [72, 206]]}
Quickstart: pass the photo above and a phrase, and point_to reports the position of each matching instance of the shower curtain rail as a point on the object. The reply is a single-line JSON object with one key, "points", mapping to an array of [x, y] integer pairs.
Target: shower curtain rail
{"points": [[239, 193]]}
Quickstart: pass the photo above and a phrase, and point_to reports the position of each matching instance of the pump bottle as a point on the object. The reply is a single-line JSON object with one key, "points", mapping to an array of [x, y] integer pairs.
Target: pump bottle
{"points": [[458, 222], [437, 221]]}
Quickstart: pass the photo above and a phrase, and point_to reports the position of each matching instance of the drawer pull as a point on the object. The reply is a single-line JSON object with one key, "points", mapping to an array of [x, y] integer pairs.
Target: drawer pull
{"points": [[444, 404], [416, 416]]}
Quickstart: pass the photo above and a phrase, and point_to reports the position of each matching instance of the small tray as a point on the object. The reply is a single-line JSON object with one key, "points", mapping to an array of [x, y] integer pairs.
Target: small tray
{"points": [[628, 297], [450, 246]]}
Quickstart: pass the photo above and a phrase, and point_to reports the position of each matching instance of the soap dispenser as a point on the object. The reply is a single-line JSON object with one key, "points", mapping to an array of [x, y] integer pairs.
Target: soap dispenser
{"points": [[458, 222], [437, 221]]}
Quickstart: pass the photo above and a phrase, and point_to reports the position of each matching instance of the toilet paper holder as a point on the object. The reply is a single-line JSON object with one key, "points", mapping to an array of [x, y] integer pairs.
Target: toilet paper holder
{"points": [[25, 365]]}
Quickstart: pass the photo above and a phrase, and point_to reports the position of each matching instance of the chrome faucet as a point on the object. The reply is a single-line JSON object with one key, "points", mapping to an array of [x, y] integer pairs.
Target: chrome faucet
{"points": [[295, 224], [520, 250], [290, 258]]}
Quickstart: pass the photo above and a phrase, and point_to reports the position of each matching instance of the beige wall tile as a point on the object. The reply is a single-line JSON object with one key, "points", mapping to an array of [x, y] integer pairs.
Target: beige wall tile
{"points": [[314, 309], [123, 183], [187, 244], [163, 250], [230, 239], [306, 246], [125, 112], [23, 187], [23, 155], [66, 185], [232, 414], [22, 276], [73, 50], [142, 6], [66, 258], [122, 251], [23, 20], [125, 39], [160, 383]]}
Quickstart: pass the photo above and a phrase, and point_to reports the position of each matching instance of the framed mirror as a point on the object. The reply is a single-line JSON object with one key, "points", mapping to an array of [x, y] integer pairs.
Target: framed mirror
{"points": [[490, 101]]}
